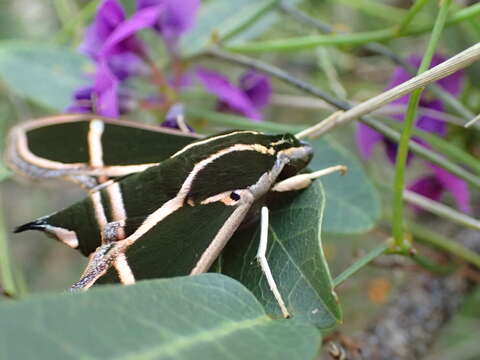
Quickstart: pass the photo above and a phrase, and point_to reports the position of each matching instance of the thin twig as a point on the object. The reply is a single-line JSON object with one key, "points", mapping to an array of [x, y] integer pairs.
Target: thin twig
{"points": [[440, 209], [452, 65], [473, 121], [307, 102]]}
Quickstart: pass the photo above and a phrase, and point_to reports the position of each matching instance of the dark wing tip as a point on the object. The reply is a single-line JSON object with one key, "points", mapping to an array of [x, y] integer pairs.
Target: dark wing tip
{"points": [[34, 225]]}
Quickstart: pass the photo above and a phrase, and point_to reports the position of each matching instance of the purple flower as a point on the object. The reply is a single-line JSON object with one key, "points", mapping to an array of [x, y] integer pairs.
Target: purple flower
{"points": [[434, 185], [440, 180], [177, 18], [112, 43], [82, 101], [175, 118], [367, 138], [123, 56], [252, 94]]}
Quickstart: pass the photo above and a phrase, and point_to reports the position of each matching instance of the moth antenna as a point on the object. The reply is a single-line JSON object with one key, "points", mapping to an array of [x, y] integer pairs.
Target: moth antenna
{"points": [[33, 225]]}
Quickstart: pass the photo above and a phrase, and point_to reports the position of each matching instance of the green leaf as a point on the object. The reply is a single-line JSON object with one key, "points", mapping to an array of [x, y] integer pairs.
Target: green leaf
{"points": [[295, 257], [222, 20], [45, 74], [353, 204], [202, 317]]}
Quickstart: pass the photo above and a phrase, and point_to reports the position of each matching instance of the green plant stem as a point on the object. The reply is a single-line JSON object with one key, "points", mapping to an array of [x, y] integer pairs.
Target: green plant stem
{"points": [[6, 268], [412, 12], [425, 236], [400, 165], [359, 38], [429, 265], [360, 263]]}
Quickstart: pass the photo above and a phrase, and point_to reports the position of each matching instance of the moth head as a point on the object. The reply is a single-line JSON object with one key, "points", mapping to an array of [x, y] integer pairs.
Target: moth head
{"points": [[297, 154]]}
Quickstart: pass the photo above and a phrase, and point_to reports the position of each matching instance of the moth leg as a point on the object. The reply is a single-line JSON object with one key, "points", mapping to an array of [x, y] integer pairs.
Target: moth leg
{"points": [[113, 231], [262, 260], [302, 181], [98, 264], [101, 260]]}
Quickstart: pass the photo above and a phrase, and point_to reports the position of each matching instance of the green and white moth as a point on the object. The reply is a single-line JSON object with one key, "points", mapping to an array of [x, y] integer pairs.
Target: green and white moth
{"points": [[160, 202]]}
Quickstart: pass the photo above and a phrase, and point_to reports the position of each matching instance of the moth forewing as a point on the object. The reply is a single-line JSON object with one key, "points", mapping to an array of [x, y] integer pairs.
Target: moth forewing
{"points": [[81, 148]]}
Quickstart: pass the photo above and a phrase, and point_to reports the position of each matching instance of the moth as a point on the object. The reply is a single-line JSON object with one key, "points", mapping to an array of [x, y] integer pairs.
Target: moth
{"points": [[152, 190]]}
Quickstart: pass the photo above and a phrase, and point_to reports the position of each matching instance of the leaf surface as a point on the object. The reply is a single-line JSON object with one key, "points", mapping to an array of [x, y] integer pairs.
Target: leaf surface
{"points": [[295, 257], [202, 317], [42, 73], [352, 202]]}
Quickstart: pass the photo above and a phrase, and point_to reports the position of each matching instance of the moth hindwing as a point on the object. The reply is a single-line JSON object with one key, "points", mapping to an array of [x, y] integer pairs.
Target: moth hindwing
{"points": [[161, 205]]}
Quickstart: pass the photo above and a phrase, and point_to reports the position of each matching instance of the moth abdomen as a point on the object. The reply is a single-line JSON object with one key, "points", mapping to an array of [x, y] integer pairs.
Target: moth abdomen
{"points": [[75, 226], [38, 224]]}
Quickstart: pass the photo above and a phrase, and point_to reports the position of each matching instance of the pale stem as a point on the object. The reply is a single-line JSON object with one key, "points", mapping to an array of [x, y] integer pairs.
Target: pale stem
{"points": [[452, 65], [440, 209], [473, 121]]}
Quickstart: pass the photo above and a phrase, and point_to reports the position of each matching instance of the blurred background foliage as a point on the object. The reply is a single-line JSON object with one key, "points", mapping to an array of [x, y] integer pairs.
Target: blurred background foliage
{"points": [[353, 73]]}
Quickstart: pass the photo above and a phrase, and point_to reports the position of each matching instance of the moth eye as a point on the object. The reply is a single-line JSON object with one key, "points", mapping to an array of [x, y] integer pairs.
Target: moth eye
{"points": [[234, 196]]}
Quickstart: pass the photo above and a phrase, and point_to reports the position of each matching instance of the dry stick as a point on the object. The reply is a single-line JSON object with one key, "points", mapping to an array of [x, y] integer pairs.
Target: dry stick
{"points": [[458, 62], [308, 102], [472, 54], [440, 209], [380, 49], [409, 324]]}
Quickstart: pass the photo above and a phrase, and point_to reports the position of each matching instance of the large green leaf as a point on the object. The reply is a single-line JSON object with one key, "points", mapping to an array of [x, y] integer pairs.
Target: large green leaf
{"points": [[201, 317], [295, 257], [353, 205], [222, 19], [42, 73]]}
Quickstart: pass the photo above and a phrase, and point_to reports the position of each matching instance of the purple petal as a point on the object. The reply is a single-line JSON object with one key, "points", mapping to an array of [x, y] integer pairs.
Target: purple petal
{"points": [[231, 97], [367, 138], [124, 32], [109, 15], [179, 16], [257, 87], [78, 109], [174, 113], [428, 186], [456, 186], [83, 93], [391, 149], [127, 64], [82, 101], [106, 89], [432, 124]]}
